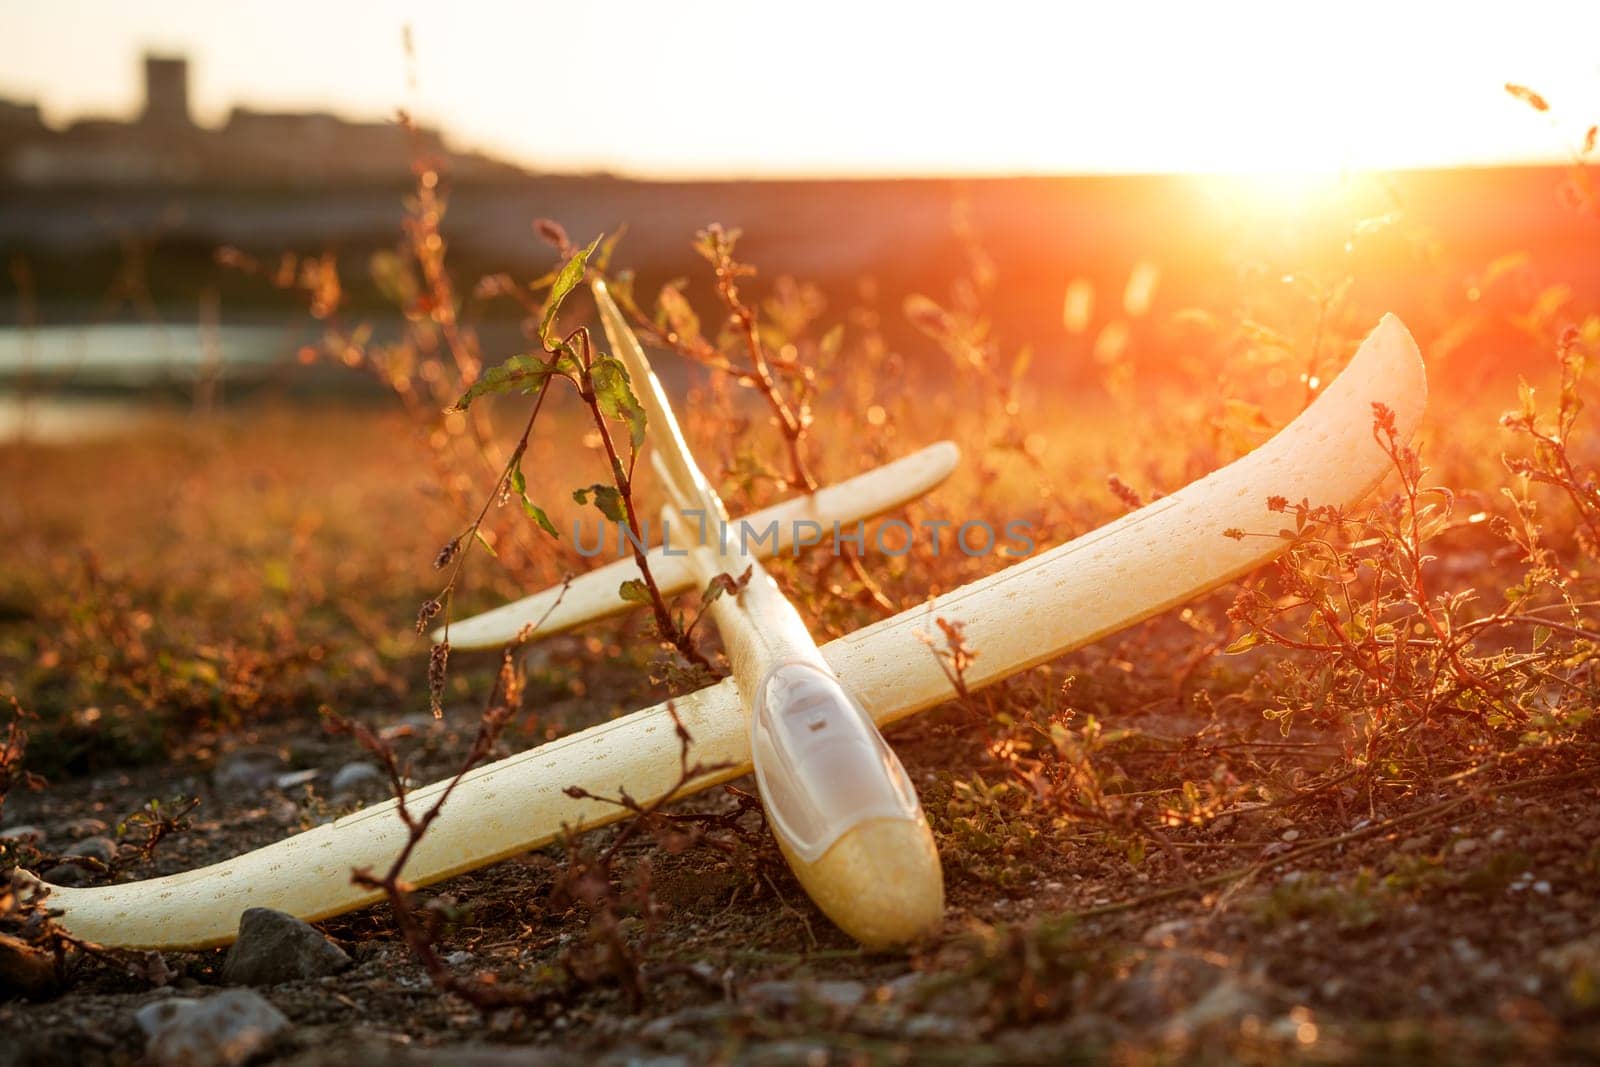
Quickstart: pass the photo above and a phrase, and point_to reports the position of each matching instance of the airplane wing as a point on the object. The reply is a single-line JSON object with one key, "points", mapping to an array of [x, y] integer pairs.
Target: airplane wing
{"points": [[1144, 563]]}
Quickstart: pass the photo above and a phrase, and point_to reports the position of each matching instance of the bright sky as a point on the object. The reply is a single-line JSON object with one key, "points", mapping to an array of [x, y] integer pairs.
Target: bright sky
{"points": [[759, 87]]}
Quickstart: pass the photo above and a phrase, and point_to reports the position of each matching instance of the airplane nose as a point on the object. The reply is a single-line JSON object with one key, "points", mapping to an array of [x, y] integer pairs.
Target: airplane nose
{"points": [[880, 882]]}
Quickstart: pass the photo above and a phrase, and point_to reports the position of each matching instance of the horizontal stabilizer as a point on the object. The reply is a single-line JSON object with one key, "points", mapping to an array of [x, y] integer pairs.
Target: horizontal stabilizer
{"points": [[594, 594]]}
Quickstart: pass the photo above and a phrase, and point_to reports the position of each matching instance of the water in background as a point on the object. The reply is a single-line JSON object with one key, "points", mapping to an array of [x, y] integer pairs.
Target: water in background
{"points": [[73, 382], [135, 354]]}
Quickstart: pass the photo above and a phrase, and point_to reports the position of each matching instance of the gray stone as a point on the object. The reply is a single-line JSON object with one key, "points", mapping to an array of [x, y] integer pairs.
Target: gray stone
{"points": [[220, 1031], [1223, 1007], [1166, 934], [1164, 983], [359, 779], [246, 770], [155, 1016], [906, 986], [96, 848], [417, 725], [34, 834], [939, 1028], [294, 779], [835, 994], [698, 1017], [273, 947], [68, 875]]}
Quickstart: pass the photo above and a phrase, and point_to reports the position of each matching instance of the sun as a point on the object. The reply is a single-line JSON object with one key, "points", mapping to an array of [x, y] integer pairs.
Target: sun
{"points": [[1291, 205], [1277, 195]]}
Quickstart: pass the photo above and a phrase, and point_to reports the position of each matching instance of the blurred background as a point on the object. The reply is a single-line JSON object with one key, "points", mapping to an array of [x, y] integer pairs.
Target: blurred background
{"points": [[175, 179]]}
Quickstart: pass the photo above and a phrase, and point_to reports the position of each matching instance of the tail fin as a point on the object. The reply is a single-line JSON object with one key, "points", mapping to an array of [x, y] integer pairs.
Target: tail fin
{"points": [[686, 483]]}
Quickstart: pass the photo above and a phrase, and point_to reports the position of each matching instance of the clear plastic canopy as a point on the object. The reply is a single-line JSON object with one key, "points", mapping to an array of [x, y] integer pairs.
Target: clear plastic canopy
{"points": [[820, 763]]}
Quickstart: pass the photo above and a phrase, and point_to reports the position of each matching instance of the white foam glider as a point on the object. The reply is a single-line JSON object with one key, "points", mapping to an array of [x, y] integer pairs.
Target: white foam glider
{"points": [[840, 806], [1140, 565]]}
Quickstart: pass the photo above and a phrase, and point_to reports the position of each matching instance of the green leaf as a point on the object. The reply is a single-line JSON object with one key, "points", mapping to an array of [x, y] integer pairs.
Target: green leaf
{"points": [[565, 282], [606, 498], [613, 390], [484, 541], [832, 341], [522, 373], [536, 513], [607, 248], [634, 591], [673, 309], [725, 583], [1244, 644], [519, 485]]}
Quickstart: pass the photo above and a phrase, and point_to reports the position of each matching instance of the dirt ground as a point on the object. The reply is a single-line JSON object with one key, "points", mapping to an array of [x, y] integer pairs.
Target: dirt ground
{"points": [[1463, 938], [1351, 842]]}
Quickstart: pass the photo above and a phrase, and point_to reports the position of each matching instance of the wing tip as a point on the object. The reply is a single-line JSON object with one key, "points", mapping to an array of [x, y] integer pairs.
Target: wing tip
{"points": [[946, 456], [1396, 361]]}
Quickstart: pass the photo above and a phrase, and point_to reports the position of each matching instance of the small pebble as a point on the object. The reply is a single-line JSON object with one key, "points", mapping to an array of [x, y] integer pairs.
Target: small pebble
{"points": [[155, 1016], [1464, 846], [905, 986], [359, 778], [67, 875], [273, 947], [246, 770], [98, 848], [35, 834], [1165, 935], [416, 725], [939, 1028], [1221, 1007], [689, 1019], [220, 1031], [838, 994], [294, 779]]}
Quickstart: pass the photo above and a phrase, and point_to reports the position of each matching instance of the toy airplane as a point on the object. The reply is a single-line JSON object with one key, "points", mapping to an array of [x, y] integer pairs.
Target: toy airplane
{"points": [[1075, 593], [844, 813]]}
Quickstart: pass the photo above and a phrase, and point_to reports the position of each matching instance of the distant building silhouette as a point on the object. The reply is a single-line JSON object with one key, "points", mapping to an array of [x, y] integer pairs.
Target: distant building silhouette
{"points": [[164, 146], [166, 91]]}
